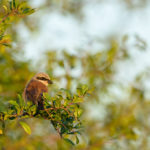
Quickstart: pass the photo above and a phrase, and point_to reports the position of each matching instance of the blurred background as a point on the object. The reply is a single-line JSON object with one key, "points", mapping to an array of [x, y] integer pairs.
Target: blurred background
{"points": [[101, 43]]}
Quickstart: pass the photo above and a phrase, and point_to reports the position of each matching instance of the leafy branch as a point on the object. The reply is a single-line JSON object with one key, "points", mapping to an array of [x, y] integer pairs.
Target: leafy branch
{"points": [[63, 110], [13, 10]]}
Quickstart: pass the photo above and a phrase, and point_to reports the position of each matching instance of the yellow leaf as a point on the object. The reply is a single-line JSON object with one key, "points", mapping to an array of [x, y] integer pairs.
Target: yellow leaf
{"points": [[1, 132], [5, 7], [25, 127]]}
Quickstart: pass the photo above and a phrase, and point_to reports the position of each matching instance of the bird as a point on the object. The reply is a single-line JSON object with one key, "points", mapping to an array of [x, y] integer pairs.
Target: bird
{"points": [[35, 88]]}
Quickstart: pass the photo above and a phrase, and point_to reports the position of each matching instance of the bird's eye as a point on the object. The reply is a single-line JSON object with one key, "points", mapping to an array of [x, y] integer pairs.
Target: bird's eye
{"points": [[41, 78]]}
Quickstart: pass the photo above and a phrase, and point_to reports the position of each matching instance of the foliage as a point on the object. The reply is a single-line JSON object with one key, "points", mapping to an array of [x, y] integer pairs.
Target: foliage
{"points": [[13, 73], [11, 12], [63, 110], [122, 110]]}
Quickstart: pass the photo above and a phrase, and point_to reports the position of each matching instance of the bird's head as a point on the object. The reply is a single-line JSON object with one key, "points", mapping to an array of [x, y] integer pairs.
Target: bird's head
{"points": [[43, 77]]}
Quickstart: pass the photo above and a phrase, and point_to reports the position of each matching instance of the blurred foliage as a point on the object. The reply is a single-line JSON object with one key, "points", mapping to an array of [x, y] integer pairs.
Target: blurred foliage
{"points": [[121, 126], [122, 111], [65, 6], [13, 73], [135, 4]]}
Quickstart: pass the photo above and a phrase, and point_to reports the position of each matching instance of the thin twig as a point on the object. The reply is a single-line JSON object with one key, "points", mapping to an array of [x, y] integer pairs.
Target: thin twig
{"points": [[4, 18]]}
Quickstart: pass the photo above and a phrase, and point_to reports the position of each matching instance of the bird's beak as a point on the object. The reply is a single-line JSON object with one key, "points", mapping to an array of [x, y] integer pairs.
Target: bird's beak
{"points": [[50, 82]]}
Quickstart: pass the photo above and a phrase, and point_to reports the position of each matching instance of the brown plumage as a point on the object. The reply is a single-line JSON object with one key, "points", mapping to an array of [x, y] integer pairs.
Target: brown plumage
{"points": [[35, 88]]}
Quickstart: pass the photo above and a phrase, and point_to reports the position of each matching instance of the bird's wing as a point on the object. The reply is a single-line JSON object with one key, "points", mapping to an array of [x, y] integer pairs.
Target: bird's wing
{"points": [[34, 91]]}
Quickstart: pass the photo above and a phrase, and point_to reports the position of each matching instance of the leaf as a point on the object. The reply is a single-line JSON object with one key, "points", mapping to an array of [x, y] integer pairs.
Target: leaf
{"points": [[46, 97], [26, 127], [5, 7], [14, 3], [28, 11], [5, 44], [25, 8], [21, 101], [79, 91], [14, 103], [1, 37], [78, 112], [77, 140], [5, 40], [10, 5], [77, 99], [1, 132], [69, 141], [90, 91], [31, 11], [22, 5]]}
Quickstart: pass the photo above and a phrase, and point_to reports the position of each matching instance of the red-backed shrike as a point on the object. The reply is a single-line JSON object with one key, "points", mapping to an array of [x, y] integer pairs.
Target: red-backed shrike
{"points": [[35, 88]]}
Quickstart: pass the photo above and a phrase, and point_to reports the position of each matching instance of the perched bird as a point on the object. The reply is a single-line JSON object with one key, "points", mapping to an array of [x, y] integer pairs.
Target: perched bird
{"points": [[35, 88]]}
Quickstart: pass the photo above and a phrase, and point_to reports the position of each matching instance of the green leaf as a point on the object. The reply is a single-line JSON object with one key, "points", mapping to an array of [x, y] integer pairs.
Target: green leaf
{"points": [[78, 112], [10, 5], [79, 91], [28, 11], [1, 37], [90, 91], [31, 11], [14, 3], [21, 101], [77, 99], [6, 44], [29, 104], [26, 127], [14, 103], [69, 141], [82, 90], [22, 5], [77, 140], [46, 97]]}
